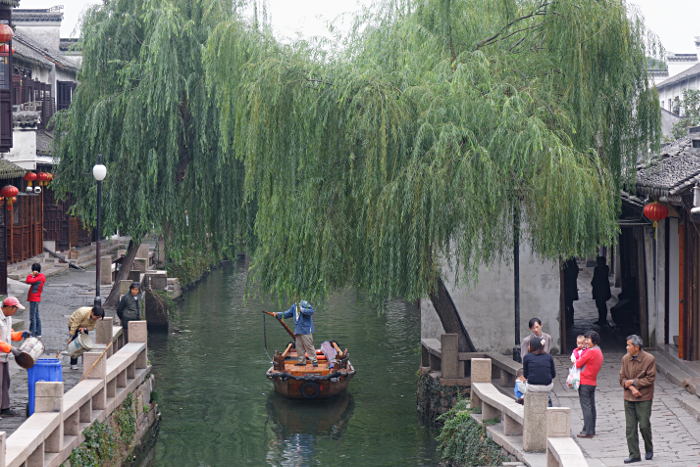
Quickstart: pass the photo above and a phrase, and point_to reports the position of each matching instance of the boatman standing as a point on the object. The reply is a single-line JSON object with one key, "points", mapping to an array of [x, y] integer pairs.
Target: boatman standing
{"points": [[303, 327], [9, 308]]}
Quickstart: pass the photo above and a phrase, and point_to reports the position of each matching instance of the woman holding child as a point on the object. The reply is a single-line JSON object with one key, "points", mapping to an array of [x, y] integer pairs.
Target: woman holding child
{"points": [[590, 361]]}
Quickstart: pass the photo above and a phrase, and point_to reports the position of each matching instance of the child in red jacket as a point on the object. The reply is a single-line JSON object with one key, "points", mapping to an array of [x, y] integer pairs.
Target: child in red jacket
{"points": [[36, 280]]}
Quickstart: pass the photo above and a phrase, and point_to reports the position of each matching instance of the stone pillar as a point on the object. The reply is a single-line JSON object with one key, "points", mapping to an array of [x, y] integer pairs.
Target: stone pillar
{"points": [[138, 332], [106, 270], [507, 379], [534, 419], [49, 398], [3, 438], [140, 265], [143, 251], [511, 427], [103, 334], [134, 275], [99, 371], [558, 422], [450, 361], [481, 370]]}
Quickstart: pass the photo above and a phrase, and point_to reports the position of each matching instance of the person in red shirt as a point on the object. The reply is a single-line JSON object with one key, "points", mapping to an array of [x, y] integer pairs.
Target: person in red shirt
{"points": [[590, 363], [36, 280]]}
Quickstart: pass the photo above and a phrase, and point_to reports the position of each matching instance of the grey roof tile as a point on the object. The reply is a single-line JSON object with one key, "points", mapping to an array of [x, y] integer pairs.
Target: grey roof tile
{"points": [[674, 170], [689, 73]]}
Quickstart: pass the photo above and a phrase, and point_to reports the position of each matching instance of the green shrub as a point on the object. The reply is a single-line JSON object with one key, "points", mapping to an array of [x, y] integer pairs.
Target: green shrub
{"points": [[463, 441]]}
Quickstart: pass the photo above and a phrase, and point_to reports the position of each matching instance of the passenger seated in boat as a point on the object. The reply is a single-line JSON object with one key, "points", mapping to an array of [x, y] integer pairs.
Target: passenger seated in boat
{"points": [[303, 329]]}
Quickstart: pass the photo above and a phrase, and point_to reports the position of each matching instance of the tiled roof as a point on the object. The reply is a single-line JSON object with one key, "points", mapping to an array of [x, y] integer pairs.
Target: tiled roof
{"points": [[689, 73], [24, 52], [35, 50], [13, 3], [43, 142], [674, 170], [10, 170], [37, 15], [68, 44]]}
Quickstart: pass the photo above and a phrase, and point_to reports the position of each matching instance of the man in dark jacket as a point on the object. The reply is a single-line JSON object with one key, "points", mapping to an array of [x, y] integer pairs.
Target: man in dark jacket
{"points": [[601, 290], [129, 308], [570, 270]]}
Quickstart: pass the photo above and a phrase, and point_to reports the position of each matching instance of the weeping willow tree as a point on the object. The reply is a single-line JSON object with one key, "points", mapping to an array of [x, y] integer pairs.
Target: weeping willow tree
{"points": [[379, 161], [407, 151], [143, 103]]}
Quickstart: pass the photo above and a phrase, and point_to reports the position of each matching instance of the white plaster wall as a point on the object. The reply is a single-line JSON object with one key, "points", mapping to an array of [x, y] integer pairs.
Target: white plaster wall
{"points": [[23, 152], [676, 91], [673, 280], [486, 308], [679, 67], [649, 263], [661, 285]]}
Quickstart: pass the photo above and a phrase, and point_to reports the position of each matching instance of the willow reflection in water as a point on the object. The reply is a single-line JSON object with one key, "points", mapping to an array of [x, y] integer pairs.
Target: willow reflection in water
{"points": [[219, 409]]}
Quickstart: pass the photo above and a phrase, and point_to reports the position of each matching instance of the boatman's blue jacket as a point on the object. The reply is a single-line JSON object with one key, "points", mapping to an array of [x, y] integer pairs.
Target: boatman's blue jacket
{"points": [[303, 325]]}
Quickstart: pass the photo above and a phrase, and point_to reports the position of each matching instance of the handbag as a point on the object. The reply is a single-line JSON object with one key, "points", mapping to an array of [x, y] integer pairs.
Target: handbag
{"points": [[573, 380]]}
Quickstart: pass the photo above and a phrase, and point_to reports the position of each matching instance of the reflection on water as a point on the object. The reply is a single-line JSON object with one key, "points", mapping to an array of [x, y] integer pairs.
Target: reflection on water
{"points": [[219, 409]]}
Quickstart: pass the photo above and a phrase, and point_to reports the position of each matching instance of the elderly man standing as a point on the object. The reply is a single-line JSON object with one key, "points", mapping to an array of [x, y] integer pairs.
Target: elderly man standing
{"points": [[303, 327], [637, 377]]}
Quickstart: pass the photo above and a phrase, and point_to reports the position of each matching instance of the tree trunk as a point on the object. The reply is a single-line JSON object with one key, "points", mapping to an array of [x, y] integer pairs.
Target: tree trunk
{"points": [[451, 321], [123, 273]]}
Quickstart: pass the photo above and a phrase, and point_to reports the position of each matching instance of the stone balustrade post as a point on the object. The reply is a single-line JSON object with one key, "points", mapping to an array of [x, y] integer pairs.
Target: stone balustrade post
{"points": [[104, 334], [49, 399], [106, 270], [99, 371], [3, 438], [138, 333], [143, 251], [534, 421], [481, 370], [450, 362], [558, 422]]}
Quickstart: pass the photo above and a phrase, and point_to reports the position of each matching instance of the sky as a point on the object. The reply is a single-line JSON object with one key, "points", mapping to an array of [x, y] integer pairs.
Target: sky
{"points": [[674, 21]]}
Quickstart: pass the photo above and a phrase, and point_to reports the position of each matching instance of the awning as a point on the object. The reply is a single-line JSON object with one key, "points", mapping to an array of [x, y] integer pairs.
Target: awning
{"points": [[9, 170]]}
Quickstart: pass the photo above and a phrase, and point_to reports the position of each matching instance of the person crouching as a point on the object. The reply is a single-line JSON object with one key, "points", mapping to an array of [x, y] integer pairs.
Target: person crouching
{"points": [[83, 320]]}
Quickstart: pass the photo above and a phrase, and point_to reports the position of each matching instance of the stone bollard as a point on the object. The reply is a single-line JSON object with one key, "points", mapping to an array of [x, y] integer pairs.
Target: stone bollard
{"points": [[106, 270], [49, 399], [140, 265], [104, 333], [449, 366], [143, 251], [99, 371], [534, 419], [134, 275]]}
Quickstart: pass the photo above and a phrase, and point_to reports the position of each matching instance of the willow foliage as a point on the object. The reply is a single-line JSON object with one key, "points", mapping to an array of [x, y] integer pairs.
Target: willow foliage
{"points": [[416, 139]]}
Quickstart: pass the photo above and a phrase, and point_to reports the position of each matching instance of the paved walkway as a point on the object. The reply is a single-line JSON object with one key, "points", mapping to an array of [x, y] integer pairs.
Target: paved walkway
{"points": [[676, 434], [62, 295]]}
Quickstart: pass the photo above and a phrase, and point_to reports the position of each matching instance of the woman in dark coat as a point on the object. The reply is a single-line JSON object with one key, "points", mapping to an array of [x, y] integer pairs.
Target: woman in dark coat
{"points": [[570, 288], [601, 290]]}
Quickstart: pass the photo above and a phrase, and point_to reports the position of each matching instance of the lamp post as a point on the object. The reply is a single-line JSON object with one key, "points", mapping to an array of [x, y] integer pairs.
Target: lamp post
{"points": [[99, 171]]}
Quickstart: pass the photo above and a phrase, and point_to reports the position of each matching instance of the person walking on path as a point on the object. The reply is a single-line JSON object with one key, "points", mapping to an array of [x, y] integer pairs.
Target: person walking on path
{"points": [[9, 308], [538, 369], [570, 270], [83, 320], [601, 290], [129, 308], [36, 281], [535, 326], [590, 362], [637, 376], [303, 329]]}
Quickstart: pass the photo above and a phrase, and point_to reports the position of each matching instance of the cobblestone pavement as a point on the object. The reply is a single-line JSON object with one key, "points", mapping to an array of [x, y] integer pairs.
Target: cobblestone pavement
{"points": [[675, 434], [62, 295]]}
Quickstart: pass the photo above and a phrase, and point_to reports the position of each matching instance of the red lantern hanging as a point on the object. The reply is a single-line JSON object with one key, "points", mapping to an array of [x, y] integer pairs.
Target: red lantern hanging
{"points": [[30, 177], [9, 191], [42, 177], [655, 212], [5, 49], [49, 177], [6, 33]]}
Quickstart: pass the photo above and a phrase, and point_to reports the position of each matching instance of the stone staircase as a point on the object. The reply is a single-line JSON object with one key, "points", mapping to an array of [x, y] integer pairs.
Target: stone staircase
{"points": [[50, 265]]}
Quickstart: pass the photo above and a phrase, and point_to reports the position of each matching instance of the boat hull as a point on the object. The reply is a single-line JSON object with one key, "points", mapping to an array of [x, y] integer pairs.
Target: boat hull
{"points": [[311, 385]]}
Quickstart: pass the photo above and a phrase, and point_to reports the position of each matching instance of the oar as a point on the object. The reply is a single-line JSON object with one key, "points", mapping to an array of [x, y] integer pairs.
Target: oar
{"points": [[98, 359], [291, 333]]}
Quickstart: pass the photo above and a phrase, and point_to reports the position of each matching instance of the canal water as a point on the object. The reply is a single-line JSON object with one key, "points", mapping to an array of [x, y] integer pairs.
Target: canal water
{"points": [[219, 409]]}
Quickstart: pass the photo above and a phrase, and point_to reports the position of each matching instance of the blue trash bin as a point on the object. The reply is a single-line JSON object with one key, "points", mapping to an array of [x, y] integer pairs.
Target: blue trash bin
{"points": [[45, 369]]}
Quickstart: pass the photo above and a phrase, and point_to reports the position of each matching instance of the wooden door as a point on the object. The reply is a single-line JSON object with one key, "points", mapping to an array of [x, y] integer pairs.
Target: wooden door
{"points": [[681, 243]]}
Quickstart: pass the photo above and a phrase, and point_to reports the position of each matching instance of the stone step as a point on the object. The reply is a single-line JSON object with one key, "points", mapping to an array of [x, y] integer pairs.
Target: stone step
{"points": [[692, 368], [669, 369], [21, 275]]}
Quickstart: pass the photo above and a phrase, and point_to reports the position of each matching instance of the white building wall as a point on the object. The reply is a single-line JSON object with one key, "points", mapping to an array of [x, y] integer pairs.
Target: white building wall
{"points": [[486, 308], [669, 94], [23, 152]]}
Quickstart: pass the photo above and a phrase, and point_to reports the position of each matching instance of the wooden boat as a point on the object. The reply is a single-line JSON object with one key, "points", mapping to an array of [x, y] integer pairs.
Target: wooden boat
{"points": [[329, 378]]}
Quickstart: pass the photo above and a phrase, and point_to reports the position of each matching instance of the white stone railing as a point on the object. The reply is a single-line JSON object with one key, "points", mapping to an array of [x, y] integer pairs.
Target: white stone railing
{"points": [[532, 427], [47, 438]]}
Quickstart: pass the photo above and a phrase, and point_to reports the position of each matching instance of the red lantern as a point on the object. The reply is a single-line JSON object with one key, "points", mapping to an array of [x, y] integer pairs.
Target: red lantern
{"points": [[5, 49], [30, 177], [6, 33], [655, 212], [9, 191], [42, 177]]}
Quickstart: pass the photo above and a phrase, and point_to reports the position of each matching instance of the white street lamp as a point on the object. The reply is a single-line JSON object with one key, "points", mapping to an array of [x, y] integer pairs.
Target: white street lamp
{"points": [[99, 172]]}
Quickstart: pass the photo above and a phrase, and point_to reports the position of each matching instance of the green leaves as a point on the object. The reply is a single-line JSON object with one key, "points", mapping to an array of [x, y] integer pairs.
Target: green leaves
{"points": [[377, 163]]}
